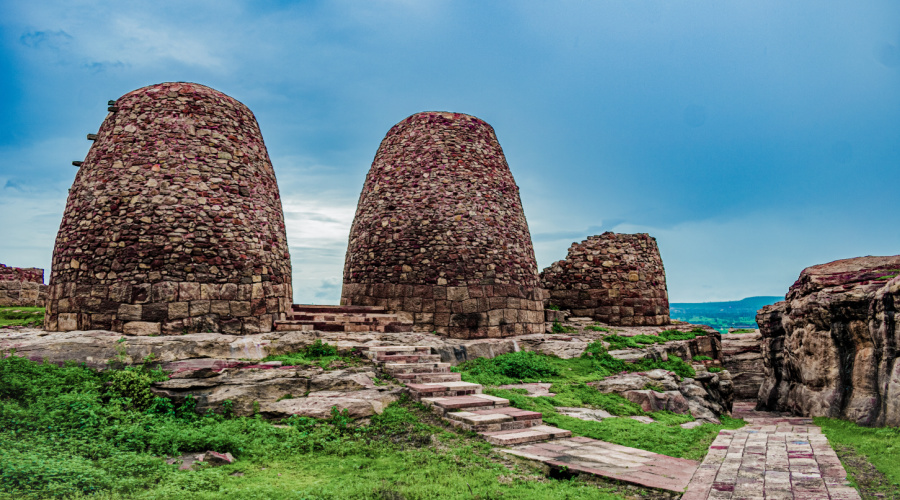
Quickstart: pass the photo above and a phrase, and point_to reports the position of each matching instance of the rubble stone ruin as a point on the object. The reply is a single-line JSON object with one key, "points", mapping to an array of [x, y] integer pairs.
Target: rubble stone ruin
{"points": [[440, 234], [174, 222], [22, 286], [618, 279]]}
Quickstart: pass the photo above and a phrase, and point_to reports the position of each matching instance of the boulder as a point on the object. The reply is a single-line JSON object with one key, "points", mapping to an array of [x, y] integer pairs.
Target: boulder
{"points": [[249, 388], [358, 404], [705, 397], [830, 349], [651, 400]]}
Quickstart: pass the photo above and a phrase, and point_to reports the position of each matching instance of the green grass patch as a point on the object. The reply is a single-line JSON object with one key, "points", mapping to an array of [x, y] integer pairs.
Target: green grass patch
{"points": [[22, 316], [743, 330], [597, 328], [658, 437], [318, 354], [702, 358], [714, 369], [72, 432], [879, 446], [560, 328]]}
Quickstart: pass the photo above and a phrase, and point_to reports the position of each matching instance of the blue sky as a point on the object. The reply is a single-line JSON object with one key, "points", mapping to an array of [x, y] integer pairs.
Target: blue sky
{"points": [[752, 139]]}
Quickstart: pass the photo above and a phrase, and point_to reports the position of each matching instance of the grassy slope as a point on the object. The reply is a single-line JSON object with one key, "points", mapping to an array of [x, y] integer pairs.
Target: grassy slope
{"points": [[67, 432], [880, 446], [21, 316]]}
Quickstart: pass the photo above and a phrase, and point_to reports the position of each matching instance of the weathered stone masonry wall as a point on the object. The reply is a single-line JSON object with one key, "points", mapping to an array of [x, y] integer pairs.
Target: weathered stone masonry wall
{"points": [[174, 222], [22, 286], [440, 234], [618, 279]]}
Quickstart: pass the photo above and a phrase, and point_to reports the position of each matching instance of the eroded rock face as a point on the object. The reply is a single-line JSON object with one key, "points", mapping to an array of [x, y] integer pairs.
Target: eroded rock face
{"points": [[258, 387], [742, 357], [830, 349], [440, 234], [618, 279], [706, 396], [174, 222]]}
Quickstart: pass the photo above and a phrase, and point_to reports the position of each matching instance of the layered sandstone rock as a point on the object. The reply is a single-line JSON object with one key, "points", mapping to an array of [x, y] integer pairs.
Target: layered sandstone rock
{"points": [[440, 235], [174, 222], [618, 279], [830, 349], [22, 286], [742, 356]]}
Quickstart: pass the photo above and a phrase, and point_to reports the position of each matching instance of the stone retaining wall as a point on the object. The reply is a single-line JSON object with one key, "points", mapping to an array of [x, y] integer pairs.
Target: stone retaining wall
{"points": [[618, 279], [174, 222]]}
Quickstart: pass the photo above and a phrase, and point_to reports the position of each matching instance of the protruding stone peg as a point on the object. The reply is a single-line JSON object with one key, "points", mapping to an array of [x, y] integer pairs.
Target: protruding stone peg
{"points": [[92, 137], [110, 103], [112, 109], [78, 163]]}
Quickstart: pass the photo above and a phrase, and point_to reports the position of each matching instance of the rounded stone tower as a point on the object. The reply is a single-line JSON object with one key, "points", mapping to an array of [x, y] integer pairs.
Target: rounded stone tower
{"points": [[618, 279], [174, 222], [440, 234]]}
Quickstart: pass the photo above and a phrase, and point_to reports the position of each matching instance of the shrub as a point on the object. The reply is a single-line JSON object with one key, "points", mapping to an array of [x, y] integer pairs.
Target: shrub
{"points": [[319, 349], [508, 368], [714, 369]]}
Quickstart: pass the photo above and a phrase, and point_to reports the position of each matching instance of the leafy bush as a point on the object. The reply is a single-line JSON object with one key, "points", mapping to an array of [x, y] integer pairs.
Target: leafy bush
{"points": [[319, 349], [508, 368], [553, 307], [559, 328], [132, 386], [714, 369]]}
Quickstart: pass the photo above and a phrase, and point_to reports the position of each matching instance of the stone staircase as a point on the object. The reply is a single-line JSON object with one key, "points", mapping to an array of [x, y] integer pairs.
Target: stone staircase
{"points": [[343, 319], [461, 404]]}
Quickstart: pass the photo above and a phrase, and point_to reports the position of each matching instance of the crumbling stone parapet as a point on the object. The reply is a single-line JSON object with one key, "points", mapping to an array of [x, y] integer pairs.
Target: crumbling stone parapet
{"points": [[618, 279]]}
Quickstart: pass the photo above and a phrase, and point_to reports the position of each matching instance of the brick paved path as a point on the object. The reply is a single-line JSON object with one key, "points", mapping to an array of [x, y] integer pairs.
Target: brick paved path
{"points": [[773, 457]]}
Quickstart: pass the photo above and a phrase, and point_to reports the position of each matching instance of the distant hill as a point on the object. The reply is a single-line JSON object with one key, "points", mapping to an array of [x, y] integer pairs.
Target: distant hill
{"points": [[721, 315]]}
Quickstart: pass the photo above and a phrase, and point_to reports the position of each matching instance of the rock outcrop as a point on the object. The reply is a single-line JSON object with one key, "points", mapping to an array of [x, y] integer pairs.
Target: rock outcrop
{"points": [[742, 357], [831, 348], [618, 279], [440, 234], [174, 222], [705, 397]]}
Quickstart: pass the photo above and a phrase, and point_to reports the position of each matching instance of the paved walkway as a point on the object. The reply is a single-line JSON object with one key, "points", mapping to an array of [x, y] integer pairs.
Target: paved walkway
{"points": [[773, 457]]}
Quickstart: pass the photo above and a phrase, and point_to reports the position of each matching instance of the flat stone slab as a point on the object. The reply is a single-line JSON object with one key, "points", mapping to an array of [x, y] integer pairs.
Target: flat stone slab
{"points": [[528, 435], [775, 457], [470, 401], [534, 390], [630, 465]]}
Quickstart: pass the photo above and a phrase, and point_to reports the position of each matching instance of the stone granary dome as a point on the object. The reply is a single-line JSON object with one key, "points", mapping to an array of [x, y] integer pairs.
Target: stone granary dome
{"points": [[174, 222], [440, 234], [618, 279]]}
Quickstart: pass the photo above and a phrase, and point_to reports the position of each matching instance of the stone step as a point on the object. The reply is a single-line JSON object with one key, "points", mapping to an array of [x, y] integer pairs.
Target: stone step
{"points": [[395, 368], [527, 435], [347, 318], [309, 308], [496, 419], [443, 389], [442, 405], [392, 350], [424, 378], [403, 358]]}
